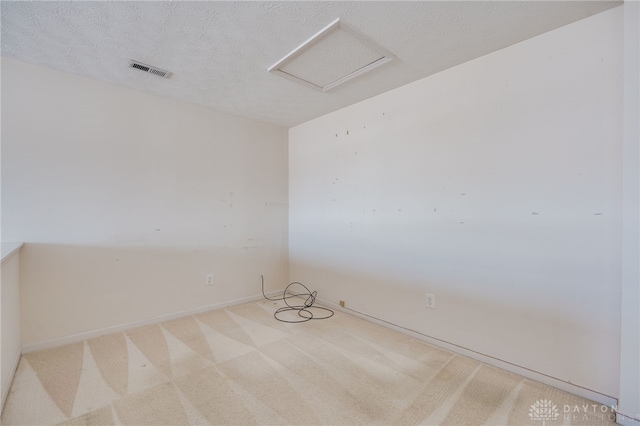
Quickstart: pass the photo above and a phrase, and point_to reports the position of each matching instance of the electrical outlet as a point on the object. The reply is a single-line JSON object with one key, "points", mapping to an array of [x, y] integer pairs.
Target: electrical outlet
{"points": [[209, 279], [431, 301]]}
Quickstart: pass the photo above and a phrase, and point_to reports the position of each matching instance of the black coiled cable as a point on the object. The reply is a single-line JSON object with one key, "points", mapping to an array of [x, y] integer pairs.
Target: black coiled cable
{"points": [[305, 310]]}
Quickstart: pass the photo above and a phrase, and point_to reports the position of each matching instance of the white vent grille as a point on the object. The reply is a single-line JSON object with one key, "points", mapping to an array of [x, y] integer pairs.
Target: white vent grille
{"points": [[150, 69]]}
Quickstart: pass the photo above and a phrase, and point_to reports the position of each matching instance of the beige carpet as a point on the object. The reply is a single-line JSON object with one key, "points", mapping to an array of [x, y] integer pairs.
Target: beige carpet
{"points": [[240, 366]]}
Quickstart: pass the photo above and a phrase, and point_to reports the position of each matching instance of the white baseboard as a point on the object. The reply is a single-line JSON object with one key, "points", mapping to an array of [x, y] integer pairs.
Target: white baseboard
{"points": [[607, 400], [487, 359], [79, 337], [623, 420], [7, 385]]}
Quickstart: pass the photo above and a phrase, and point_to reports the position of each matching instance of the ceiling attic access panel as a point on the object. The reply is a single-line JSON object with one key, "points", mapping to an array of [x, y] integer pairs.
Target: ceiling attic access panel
{"points": [[333, 56]]}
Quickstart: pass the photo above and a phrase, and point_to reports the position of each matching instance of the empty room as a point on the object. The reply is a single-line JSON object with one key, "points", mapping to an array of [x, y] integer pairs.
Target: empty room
{"points": [[320, 213]]}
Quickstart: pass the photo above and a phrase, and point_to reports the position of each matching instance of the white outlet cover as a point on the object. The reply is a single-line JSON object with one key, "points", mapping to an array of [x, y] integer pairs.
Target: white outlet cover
{"points": [[431, 301]]}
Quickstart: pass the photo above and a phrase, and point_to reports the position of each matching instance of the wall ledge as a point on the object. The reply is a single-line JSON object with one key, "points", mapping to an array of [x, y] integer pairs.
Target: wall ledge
{"points": [[10, 249]]}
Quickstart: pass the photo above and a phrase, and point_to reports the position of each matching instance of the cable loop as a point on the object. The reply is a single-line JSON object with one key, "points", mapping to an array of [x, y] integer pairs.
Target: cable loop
{"points": [[304, 308]]}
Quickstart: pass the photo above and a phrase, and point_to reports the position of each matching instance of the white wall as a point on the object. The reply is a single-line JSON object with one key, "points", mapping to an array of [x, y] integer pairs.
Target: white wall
{"points": [[494, 185], [9, 316], [126, 201], [629, 403]]}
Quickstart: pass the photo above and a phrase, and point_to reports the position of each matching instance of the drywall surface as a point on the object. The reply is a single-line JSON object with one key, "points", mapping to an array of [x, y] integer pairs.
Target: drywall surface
{"points": [[127, 201], [9, 316], [495, 186], [629, 402]]}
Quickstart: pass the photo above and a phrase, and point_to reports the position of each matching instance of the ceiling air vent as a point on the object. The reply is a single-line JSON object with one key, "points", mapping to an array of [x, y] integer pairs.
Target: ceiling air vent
{"points": [[336, 54], [150, 69]]}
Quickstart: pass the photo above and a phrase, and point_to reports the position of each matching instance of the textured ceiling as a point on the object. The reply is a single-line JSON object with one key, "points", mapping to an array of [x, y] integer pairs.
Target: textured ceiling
{"points": [[219, 52]]}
